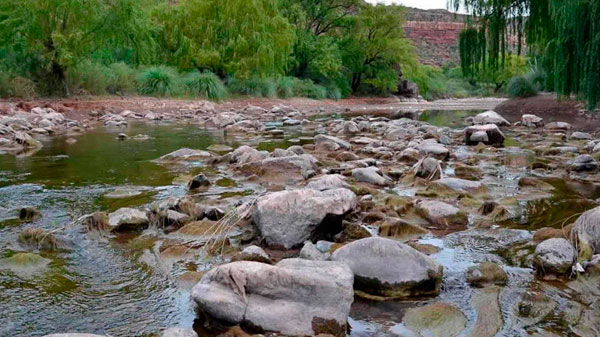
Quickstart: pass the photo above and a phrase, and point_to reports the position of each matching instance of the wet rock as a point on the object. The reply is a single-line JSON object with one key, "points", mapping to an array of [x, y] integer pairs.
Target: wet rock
{"points": [[554, 256], [489, 317], [310, 252], [558, 126], [467, 171], [127, 219], [122, 136], [199, 228], [493, 135], [436, 319], [441, 214], [535, 183], [435, 150], [252, 253], [245, 154], [581, 135], [123, 193], [73, 335], [401, 230], [29, 214], [283, 169], [371, 175], [296, 297], [488, 240], [486, 273], [288, 218], [219, 148], [184, 154], [199, 181], [532, 121], [328, 182], [352, 231], [214, 213], [296, 149], [277, 153], [40, 239], [460, 185], [175, 219], [586, 232], [24, 264], [26, 140], [384, 267], [490, 117], [319, 139], [178, 332], [533, 307], [584, 162]]}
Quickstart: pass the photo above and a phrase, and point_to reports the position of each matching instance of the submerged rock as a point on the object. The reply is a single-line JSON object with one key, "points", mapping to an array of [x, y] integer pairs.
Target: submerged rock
{"points": [[387, 268], [554, 256], [29, 214], [436, 319], [296, 297], [488, 134], [24, 264], [288, 218], [460, 185], [486, 273], [38, 238], [184, 154]]}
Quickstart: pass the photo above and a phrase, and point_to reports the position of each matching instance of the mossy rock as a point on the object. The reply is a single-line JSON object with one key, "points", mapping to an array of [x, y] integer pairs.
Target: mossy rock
{"points": [[438, 319]]}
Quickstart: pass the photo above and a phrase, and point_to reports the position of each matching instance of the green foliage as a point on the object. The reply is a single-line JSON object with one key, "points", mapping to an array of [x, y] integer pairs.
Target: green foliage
{"points": [[121, 79], [88, 78], [520, 86], [254, 86], [12, 85], [206, 84], [159, 81]]}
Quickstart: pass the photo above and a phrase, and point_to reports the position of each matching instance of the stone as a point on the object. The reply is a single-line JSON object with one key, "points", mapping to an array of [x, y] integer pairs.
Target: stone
{"points": [[73, 335], [219, 148], [533, 307], [435, 150], [198, 181], [252, 253], [350, 128], [184, 154], [310, 252], [328, 182], [558, 126], [127, 219], [460, 185], [245, 154], [493, 133], [436, 319], [554, 256], [122, 136], [387, 268], [29, 214], [25, 264], [26, 140], [38, 238], [581, 135], [179, 332], [296, 297], [325, 138], [584, 162], [489, 316], [586, 232], [288, 218], [490, 117], [287, 170], [486, 273], [371, 175], [532, 121], [441, 214]]}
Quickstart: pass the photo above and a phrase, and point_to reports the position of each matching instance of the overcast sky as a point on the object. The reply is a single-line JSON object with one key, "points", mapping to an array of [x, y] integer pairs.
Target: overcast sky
{"points": [[424, 4]]}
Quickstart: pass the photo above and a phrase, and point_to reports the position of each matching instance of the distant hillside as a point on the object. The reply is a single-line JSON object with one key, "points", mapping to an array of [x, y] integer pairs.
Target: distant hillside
{"points": [[434, 34]]}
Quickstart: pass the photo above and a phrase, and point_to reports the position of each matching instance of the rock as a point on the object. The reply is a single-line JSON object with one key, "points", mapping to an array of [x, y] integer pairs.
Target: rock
{"points": [[39, 239], [532, 121], [436, 319], [26, 140], [370, 175], [558, 126], [127, 219], [319, 139], [581, 135], [219, 148], [486, 273], [122, 136], [545, 233], [296, 297], [586, 232], [460, 185], [245, 154], [252, 253], [489, 316], [24, 264], [184, 154], [328, 182], [435, 150], [533, 307], [583, 162], [401, 230], [490, 117], [310, 252], [385, 267], [278, 153], [428, 168], [350, 128], [283, 169], [441, 214], [29, 214], [198, 181], [214, 213], [288, 218], [178, 332], [554, 256], [73, 335], [493, 133]]}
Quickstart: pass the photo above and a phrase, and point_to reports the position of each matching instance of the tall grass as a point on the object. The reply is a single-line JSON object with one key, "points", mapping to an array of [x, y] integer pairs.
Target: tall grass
{"points": [[206, 85], [159, 81]]}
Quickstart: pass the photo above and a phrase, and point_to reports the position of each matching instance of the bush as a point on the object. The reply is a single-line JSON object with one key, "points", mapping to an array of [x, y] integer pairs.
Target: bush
{"points": [[537, 78], [159, 81], [286, 86], [254, 86], [121, 79], [88, 78], [519, 86], [206, 85], [307, 88], [12, 85]]}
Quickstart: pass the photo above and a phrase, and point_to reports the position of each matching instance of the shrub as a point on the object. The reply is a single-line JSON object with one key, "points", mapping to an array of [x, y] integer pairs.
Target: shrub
{"points": [[537, 78], [519, 86], [254, 86], [159, 81], [121, 79], [307, 88], [286, 86], [12, 85], [206, 85], [88, 78]]}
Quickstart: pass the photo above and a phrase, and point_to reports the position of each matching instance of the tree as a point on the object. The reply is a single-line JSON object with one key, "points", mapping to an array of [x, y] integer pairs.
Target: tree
{"points": [[376, 45], [59, 33], [321, 16], [565, 33]]}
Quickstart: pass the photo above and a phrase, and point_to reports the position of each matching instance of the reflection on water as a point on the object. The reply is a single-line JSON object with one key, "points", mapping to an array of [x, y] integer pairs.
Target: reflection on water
{"points": [[453, 119]]}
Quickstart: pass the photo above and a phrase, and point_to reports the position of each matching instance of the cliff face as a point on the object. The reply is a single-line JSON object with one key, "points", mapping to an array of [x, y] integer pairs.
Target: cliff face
{"points": [[434, 33]]}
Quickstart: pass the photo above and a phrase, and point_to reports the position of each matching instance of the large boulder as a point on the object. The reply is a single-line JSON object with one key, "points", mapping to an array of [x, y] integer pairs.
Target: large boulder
{"points": [[488, 134], [127, 219], [296, 297], [586, 230], [388, 268], [370, 175], [288, 218], [490, 117], [554, 256], [532, 121], [290, 169]]}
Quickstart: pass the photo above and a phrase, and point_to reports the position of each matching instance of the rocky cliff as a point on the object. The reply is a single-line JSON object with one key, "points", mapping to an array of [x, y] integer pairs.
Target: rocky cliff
{"points": [[434, 34]]}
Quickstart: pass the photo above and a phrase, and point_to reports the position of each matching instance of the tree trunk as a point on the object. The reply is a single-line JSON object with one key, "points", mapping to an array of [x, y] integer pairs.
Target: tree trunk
{"points": [[356, 79], [59, 79]]}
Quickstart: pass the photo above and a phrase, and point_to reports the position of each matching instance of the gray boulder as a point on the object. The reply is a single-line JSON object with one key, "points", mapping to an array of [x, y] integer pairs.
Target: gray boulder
{"points": [[198, 181], [127, 219], [283, 169], [490, 117], [554, 256], [328, 182], [370, 175], [441, 214], [586, 230], [246, 154], [179, 332], [288, 218], [434, 149], [296, 297], [584, 162], [474, 135], [385, 267], [310, 252], [532, 121], [319, 139]]}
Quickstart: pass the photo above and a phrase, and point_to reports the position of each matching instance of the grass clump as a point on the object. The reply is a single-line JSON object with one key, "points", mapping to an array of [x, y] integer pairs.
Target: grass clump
{"points": [[254, 86], [159, 81], [206, 85], [519, 86]]}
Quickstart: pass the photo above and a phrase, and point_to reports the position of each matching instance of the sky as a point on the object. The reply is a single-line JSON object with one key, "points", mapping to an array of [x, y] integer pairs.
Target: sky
{"points": [[424, 4]]}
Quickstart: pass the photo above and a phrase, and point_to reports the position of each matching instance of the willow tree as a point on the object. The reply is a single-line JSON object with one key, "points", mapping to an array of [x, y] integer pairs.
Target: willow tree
{"points": [[565, 33], [60, 33], [235, 37]]}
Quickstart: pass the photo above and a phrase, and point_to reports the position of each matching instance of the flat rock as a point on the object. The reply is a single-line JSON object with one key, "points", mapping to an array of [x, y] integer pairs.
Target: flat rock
{"points": [[328, 182], [441, 214], [184, 154], [436, 319], [486, 273], [532, 121], [179, 332], [490, 117], [127, 219], [461, 185], [554, 256], [319, 139], [370, 175]]}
